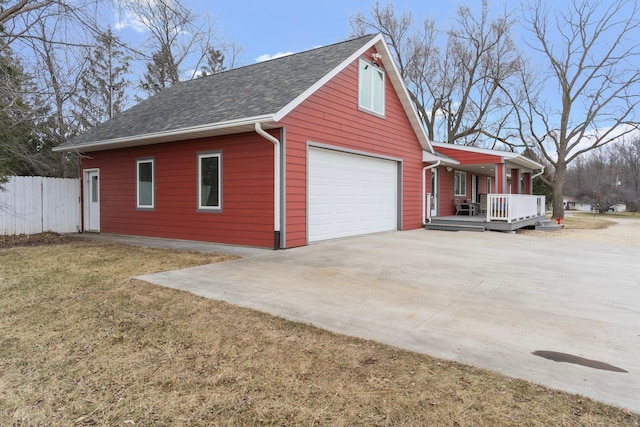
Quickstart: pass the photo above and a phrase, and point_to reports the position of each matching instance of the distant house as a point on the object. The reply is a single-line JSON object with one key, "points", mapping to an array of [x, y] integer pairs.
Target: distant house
{"points": [[317, 145], [571, 203]]}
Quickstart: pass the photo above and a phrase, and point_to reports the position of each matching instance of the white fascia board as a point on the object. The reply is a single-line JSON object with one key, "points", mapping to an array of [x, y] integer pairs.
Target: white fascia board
{"points": [[151, 138], [430, 157], [525, 162]]}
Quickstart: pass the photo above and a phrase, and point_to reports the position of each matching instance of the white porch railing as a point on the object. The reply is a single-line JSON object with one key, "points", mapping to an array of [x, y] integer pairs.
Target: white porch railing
{"points": [[514, 207]]}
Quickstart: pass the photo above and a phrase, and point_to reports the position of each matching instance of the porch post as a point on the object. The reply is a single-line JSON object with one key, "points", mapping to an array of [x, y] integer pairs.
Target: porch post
{"points": [[528, 188], [501, 178], [515, 181]]}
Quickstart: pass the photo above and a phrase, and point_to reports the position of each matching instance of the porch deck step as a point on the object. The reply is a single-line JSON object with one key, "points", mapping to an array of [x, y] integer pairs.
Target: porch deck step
{"points": [[454, 227], [547, 225]]}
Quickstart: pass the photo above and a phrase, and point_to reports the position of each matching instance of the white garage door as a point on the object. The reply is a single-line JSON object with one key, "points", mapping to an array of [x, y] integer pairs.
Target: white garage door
{"points": [[350, 194]]}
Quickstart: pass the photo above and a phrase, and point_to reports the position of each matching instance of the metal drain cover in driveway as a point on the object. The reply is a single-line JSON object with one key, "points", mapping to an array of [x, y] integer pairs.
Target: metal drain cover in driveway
{"points": [[577, 360]]}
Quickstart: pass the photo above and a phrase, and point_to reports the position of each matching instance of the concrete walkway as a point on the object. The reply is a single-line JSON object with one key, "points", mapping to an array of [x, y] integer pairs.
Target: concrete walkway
{"points": [[486, 299]]}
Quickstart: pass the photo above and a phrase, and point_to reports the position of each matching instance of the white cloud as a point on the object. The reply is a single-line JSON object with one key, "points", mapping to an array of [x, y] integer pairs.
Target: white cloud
{"points": [[129, 20], [267, 57]]}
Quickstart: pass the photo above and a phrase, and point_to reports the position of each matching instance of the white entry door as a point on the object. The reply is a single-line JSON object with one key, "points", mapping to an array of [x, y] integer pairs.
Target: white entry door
{"points": [[92, 200], [350, 194]]}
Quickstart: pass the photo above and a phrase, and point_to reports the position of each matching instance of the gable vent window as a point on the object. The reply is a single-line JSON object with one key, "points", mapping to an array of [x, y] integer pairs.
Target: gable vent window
{"points": [[371, 87]]}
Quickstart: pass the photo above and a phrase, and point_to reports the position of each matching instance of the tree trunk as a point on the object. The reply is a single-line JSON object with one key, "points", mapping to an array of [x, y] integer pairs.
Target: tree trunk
{"points": [[558, 190]]}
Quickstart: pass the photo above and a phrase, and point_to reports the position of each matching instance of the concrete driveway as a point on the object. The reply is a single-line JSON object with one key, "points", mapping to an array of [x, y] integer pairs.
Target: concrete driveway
{"points": [[486, 299]]}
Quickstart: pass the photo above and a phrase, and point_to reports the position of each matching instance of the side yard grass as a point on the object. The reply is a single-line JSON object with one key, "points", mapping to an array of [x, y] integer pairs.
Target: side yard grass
{"points": [[586, 222], [82, 343]]}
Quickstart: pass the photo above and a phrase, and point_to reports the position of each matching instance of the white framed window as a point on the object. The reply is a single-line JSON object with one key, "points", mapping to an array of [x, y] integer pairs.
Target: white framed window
{"points": [[370, 87], [460, 183], [145, 188], [489, 188], [210, 181]]}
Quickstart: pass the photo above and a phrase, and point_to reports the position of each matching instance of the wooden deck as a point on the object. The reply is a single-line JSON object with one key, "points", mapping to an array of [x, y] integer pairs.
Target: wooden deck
{"points": [[478, 223]]}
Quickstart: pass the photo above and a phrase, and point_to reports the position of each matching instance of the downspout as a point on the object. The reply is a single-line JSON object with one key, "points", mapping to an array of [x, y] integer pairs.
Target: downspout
{"points": [[537, 175], [276, 183], [424, 189]]}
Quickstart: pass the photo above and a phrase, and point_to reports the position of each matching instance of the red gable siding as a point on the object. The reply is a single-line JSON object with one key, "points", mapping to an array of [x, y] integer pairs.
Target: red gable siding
{"points": [[331, 116], [247, 193], [469, 158]]}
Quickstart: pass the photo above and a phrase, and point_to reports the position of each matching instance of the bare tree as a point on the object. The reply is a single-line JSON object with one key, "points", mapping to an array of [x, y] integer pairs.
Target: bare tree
{"points": [[628, 160], [594, 179], [19, 19], [458, 86], [102, 87], [586, 92], [179, 39], [49, 37]]}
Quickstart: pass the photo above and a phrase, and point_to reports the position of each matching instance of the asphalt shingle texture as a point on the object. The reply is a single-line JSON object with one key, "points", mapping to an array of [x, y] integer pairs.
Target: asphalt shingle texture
{"points": [[254, 90]]}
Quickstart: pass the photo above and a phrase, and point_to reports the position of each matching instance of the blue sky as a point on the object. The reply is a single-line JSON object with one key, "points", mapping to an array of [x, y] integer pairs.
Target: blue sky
{"points": [[280, 26], [267, 29]]}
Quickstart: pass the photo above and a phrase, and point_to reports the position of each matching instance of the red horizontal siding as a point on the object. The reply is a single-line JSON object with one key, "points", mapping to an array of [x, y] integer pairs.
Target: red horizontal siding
{"points": [[445, 195], [469, 158], [247, 191], [331, 116]]}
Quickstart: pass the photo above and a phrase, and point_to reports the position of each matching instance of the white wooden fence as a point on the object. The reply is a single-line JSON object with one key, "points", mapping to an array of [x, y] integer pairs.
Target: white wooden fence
{"points": [[34, 204]]}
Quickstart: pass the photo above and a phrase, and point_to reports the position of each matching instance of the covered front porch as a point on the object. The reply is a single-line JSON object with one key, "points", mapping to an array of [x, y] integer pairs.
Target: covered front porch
{"points": [[475, 188], [499, 212]]}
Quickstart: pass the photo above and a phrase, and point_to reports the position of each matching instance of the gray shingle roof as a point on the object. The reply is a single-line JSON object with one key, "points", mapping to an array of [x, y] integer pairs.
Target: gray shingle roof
{"points": [[254, 90]]}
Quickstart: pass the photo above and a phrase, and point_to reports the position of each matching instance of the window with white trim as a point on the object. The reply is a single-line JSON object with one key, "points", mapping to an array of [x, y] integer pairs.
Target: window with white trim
{"points": [[371, 87], [460, 183], [210, 181], [145, 189]]}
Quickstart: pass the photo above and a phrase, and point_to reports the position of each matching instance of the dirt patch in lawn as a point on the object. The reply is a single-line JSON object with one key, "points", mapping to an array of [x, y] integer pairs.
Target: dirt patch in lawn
{"points": [[83, 344], [47, 238]]}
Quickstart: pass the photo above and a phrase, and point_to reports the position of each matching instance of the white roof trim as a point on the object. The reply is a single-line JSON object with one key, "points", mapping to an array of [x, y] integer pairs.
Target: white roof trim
{"points": [[428, 156], [152, 138], [394, 75]]}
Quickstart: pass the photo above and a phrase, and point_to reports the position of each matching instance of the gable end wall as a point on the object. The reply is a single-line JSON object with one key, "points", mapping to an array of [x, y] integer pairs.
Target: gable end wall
{"points": [[331, 117]]}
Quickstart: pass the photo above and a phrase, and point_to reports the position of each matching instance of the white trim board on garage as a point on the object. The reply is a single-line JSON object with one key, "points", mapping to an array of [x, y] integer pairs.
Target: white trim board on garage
{"points": [[350, 194]]}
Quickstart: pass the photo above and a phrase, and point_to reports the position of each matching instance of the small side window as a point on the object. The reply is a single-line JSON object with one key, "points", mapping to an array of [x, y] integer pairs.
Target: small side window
{"points": [[460, 183], [210, 181], [145, 197]]}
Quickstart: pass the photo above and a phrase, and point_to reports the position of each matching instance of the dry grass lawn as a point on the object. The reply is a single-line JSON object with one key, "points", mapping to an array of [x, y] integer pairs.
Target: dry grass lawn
{"points": [[83, 344], [586, 222]]}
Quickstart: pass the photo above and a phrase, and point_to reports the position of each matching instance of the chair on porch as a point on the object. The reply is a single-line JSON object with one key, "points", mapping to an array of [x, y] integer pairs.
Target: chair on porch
{"points": [[463, 207]]}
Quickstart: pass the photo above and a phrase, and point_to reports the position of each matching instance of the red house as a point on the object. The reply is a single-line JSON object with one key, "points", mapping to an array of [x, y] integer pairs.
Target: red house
{"points": [[317, 145]]}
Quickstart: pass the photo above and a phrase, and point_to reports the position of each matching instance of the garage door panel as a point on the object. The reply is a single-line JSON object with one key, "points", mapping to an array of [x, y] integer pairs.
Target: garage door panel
{"points": [[350, 194]]}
